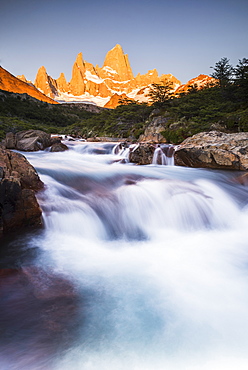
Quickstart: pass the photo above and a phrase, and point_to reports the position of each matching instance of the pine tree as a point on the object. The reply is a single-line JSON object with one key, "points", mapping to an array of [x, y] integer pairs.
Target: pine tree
{"points": [[223, 72]]}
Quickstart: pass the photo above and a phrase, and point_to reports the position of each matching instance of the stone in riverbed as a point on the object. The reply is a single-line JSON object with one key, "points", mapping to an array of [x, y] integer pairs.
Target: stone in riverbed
{"points": [[58, 147], [143, 154]]}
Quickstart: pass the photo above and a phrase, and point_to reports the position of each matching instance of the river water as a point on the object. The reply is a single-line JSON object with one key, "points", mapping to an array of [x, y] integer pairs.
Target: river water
{"points": [[153, 262]]}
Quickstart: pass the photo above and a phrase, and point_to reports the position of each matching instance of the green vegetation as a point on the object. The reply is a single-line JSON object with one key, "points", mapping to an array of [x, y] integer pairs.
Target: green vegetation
{"points": [[223, 106], [23, 112], [160, 94]]}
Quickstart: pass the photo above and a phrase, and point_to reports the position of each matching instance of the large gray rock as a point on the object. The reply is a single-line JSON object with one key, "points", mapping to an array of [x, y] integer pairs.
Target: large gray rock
{"points": [[32, 140], [28, 140], [214, 149], [18, 183]]}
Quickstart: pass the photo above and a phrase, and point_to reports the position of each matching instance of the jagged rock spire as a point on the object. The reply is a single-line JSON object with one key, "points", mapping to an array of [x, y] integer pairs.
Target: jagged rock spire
{"points": [[118, 62], [45, 83]]}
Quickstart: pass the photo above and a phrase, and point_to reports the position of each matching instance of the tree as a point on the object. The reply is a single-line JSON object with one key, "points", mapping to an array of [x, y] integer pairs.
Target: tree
{"points": [[241, 70], [126, 101], [241, 79], [223, 72], [160, 93]]}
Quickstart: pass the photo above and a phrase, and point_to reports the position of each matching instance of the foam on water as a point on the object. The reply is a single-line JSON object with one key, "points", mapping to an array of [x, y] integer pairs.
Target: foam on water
{"points": [[159, 255]]}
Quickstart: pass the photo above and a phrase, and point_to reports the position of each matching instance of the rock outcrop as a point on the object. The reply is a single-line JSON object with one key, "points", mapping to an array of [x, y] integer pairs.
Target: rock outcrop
{"points": [[214, 149], [8, 82], [18, 183], [152, 133], [28, 140]]}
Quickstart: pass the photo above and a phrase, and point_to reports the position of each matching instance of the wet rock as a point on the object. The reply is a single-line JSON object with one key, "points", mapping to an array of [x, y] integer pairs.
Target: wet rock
{"points": [[214, 149], [142, 154], [18, 183], [58, 147], [243, 179]]}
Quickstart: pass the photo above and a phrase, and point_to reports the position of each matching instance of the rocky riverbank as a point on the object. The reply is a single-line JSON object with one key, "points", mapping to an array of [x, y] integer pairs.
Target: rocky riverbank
{"points": [[214, 149], [18, 183]]}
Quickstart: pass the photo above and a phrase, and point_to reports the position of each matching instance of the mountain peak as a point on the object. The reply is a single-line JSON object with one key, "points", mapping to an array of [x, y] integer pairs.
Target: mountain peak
{"points": [[42, 70], [45, 82], [118, 47], [79, 60], [117, 61]]}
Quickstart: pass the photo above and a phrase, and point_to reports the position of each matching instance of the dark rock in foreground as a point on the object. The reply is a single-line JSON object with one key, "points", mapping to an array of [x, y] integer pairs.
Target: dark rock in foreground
{"points": [[214, 149], [18, 183], [143, 154]]}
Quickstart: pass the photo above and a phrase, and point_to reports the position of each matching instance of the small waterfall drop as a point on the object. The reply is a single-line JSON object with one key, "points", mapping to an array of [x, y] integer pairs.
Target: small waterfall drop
{"points": [[164, 155]]}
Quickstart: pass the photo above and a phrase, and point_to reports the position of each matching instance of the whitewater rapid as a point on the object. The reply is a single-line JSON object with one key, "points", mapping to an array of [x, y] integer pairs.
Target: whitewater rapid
{"points": [[158, 256]]}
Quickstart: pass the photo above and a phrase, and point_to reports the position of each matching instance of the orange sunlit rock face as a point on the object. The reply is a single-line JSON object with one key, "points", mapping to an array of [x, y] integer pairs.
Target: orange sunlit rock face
{"points": [[8, 82], [198, 82], [111, 81], [114, 100]]}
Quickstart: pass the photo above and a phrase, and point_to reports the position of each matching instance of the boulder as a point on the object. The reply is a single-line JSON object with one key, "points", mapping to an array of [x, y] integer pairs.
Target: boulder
{"points": [[10, 141], [58, 147], [18, 183], [28, 140], [214, 149], [32, 140], [142, 154]]}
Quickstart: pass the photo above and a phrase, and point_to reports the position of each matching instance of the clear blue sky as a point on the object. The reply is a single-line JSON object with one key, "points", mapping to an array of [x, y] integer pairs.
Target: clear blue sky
{"points": [[182, 37]]}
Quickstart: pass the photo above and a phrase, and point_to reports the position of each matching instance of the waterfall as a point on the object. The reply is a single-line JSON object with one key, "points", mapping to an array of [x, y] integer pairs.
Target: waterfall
{"points": [[136, 267], [164, 155]]}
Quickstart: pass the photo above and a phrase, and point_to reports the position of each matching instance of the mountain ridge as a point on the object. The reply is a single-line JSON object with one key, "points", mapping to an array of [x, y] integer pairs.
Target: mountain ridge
{"points": [[103, 86], [100, 84], [9, 82]]}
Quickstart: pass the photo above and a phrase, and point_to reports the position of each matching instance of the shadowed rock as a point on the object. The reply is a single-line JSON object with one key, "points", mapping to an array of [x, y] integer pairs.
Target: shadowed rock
{"points": [[143, 154], [18, 183]]}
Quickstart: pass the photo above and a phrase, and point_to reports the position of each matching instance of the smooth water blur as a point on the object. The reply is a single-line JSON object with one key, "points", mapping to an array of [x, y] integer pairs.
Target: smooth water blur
{"points": [[157, 257]]}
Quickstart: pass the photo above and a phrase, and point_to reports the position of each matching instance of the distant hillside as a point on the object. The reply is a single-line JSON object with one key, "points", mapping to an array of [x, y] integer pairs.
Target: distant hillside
{"points": [[8, 82]]}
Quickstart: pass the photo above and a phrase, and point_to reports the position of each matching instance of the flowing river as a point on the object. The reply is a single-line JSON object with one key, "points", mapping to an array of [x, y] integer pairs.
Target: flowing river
{"points": [[135, 268]]}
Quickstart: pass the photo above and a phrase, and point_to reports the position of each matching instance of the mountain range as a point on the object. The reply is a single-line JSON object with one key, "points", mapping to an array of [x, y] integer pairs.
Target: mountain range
{"points": [[103, 86]]}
